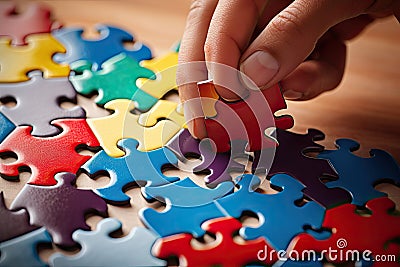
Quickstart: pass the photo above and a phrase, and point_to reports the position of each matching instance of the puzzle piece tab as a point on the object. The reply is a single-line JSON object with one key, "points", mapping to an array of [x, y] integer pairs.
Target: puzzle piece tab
{"points": [[163, 109], [99, 249], [39, 153], [124, 124], [61, 208], [17, 61], [215, 254], [115, 80], [144, 168], [38, 103], [359, 175], [272, 209], [97, 51]]}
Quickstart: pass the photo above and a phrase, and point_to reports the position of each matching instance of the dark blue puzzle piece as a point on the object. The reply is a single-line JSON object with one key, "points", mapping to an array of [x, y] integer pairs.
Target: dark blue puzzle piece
{"points": [[359, 175], [143, 168], [6, 127], [110, 43], [280, 218]]}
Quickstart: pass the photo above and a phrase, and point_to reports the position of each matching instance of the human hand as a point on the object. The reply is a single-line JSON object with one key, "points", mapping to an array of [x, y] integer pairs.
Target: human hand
{"points": [[299, 43]]}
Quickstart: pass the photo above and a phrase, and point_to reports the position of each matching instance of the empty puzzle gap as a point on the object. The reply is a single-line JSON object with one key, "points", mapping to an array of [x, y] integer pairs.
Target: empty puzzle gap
{"points": [[46, 250], [8, 157], [207, 240], [302, 201], [250, 219], [8, 101], [83, 149], [171, 95]]}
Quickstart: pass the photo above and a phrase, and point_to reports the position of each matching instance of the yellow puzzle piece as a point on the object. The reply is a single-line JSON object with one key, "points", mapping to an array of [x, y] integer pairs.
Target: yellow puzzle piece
{"points": [[123, 124], [17, 61], [163, 109], [165, 69]]}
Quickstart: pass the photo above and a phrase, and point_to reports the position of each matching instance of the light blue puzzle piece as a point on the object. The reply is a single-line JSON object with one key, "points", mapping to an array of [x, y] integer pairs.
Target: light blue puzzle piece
{"points": [[22, 251], [143, 168], [6, 127], [359, 175], [280, 218], [99, 249]]}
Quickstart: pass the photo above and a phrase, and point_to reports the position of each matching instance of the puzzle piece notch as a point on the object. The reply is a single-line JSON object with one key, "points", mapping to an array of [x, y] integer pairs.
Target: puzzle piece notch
{"points": [[115, 80], [126, 125], [17, 61], [214, 254], [144, 168], [360, 175], [6, 127], [97, 51], [272, 209], [38, 103], [99, 249], [61, 208], [22, 251], [163, 109], [35, 19], [39, 153]]}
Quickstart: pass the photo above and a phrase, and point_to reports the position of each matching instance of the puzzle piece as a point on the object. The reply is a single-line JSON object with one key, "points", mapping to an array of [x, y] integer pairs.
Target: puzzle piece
{"points": [[13, 223], [163, 109], [360, 175], [22, 251], [124, 124], [99, 249], [97, 51], [185, 200], [219, 164], [116, 79], [377, 231], [272, 210], [6, 126], [245, 120], [17, 61], [290, 158], [143, 168], [215, 254], [61, 208], [38, 103], [39, 153], [35, 19]]}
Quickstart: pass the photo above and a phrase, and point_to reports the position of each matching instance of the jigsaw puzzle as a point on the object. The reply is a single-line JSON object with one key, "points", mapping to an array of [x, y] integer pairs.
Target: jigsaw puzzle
{"points": [[38, 103], [17, 61], [66, 207]]}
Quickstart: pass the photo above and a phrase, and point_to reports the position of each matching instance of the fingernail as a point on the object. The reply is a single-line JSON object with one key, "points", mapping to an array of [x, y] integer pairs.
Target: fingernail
{"points": [[292, 95], [261, 67]]}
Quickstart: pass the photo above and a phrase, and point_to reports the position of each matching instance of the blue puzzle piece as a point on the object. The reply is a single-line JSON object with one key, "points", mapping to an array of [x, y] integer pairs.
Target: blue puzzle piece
{"points": [[359, 175], [22, 251], [110, 43], [187, 207], [99, 249], [143, 168], [6, 127], [280, 218]]}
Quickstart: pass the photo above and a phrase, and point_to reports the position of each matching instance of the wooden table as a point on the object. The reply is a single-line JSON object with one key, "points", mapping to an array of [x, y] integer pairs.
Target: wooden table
{"points": [[364, 107]]}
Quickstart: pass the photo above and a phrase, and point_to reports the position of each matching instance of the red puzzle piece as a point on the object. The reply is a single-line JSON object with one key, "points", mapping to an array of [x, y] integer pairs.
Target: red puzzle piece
{"points": [[50, 155], [352, 231], [251, 113], [36, 19], [226, 252]]}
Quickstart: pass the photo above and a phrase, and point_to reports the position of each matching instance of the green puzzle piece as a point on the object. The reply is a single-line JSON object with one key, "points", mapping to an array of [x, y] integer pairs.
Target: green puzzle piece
{"points": [[115, 80]]}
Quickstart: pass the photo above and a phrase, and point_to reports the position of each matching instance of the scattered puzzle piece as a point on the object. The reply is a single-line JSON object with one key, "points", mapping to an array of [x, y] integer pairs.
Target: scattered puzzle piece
{"points": [[61, 208], [143, 168], [124, 124], [280, 218], [22, 251], [224, 252], [13, 223], [99, 249], [39, 153], [355, 232], [38, 103], [6, 126], [359, 175], [97, 51], [35, 19], [115, 80], [187, 207], [17, 61], [163, 109]]}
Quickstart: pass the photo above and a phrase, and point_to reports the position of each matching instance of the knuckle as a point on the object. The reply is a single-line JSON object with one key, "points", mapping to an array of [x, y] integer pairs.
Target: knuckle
{"points": [[287, 22]]}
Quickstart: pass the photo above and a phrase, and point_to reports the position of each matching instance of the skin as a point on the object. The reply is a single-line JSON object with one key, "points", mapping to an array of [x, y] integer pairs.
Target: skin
{"points": [[304, 41]]}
